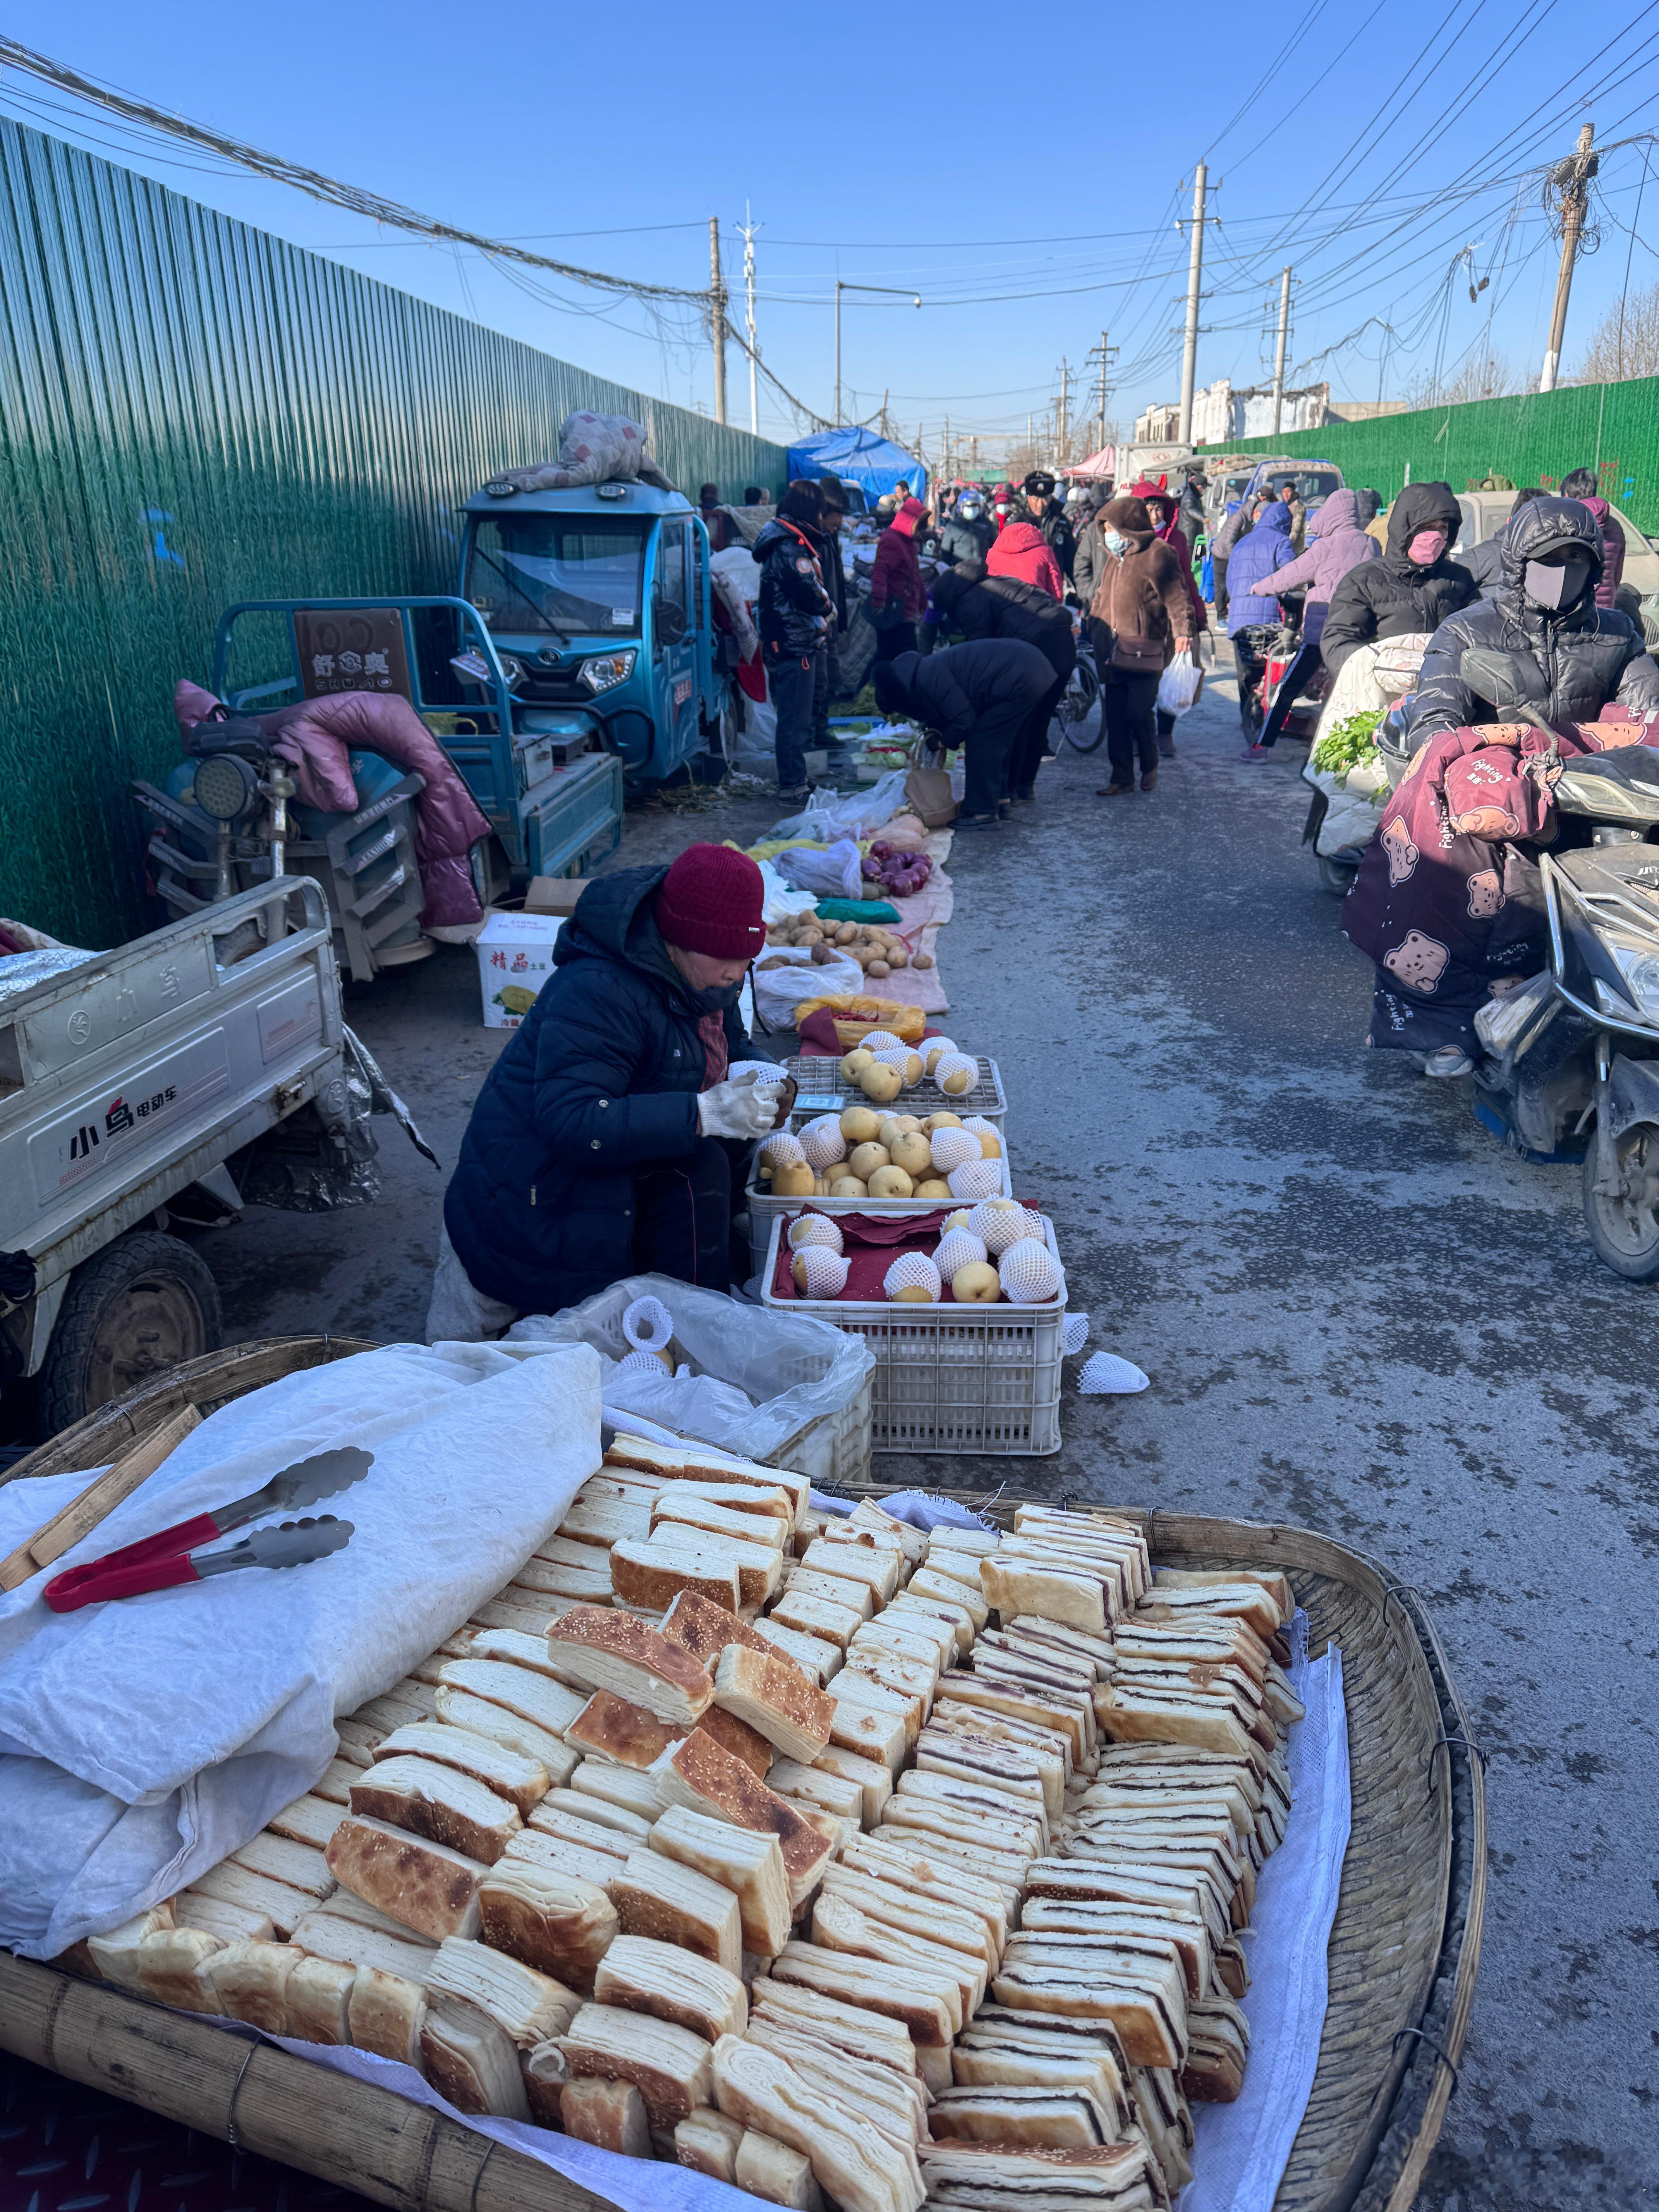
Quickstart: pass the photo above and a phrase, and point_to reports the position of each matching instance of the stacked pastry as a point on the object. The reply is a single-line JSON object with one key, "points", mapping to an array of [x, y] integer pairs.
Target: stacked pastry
{"points": [[924, 1881]]}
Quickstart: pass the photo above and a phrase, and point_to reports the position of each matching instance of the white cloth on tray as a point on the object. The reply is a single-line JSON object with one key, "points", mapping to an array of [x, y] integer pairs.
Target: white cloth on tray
{"points": [[1239, 2157], [143, 1739]]}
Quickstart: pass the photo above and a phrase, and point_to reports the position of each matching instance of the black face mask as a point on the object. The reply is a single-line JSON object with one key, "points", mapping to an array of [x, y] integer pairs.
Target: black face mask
{"points": [[719, 998], [1556, 587]]}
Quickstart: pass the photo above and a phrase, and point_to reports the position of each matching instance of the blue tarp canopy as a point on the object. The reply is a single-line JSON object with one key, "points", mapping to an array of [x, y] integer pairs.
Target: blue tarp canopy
{"points": [[859, 456]]}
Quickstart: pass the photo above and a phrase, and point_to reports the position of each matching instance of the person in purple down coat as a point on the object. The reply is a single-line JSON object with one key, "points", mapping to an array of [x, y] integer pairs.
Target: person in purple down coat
{"points": [[1337, 541], [1585, 486], [1253, 613]]}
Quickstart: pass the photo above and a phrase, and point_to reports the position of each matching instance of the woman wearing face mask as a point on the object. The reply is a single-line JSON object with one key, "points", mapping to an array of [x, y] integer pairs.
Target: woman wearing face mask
{"points": [[607, 1139], [1412, 589], [1566, 657], [1139, 619]]}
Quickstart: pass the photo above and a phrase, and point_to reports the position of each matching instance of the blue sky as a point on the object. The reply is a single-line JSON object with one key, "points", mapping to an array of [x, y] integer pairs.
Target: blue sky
{"points": [[1027, 186]]}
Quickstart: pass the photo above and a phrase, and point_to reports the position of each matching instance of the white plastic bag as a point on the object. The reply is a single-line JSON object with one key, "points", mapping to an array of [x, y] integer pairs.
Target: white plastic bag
{"points": [[794, 1369], [837, 873], [780, 903], [789, 976], [1180, 686], [828, 815]]}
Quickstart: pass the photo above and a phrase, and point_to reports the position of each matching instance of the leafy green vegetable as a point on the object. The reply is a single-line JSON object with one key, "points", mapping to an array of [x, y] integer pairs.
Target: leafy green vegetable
{"points": [[1350, 745]]}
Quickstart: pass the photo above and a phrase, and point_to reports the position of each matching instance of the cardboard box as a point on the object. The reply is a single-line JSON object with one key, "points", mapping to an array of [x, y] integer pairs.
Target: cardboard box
{"points": [[516, 958], [555, 894]]}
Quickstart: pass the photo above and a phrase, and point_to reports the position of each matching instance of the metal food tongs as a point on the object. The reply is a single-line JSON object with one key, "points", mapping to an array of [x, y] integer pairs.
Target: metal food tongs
{"points": [[168, 1557]]}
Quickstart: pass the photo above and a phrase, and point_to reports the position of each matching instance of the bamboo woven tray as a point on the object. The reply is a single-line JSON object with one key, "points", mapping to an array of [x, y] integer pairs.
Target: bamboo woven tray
{"points": [[1404, 1953]]}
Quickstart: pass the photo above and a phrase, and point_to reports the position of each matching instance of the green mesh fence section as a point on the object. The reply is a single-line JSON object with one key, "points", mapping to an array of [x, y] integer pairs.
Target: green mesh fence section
{"points": [[1533, 437], [191, 413]]}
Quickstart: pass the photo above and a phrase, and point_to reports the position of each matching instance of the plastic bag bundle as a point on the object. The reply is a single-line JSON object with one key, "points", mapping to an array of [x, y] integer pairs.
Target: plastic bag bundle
{"points": [[915, 1279], [819, 1273], [648, 1325], [814, 1229], [975, 1178], [1180, 686], [1029, 1273], [956, 1074], [783, 1149], [954, 1148], [960, 1247], [1001, 1222], [823, 1142], [837, 873]]}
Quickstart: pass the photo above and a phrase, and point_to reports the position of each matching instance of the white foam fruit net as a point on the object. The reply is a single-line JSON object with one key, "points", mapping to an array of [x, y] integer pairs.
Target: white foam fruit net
{"points": [[814, 1229], [823, 1142], [1002, 1222], [956, 1074], [934, 1048], [783, 1149], [643, 1362], [913, 1271], [647, 1324], [954, 1148], [975, 1178], [959, 1247], [819, 1273], [881, 1041], [1029, 1273]]}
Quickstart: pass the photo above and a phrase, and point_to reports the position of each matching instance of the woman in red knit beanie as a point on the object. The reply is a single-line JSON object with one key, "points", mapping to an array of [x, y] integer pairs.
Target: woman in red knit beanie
{"points": [[609, 1138]]}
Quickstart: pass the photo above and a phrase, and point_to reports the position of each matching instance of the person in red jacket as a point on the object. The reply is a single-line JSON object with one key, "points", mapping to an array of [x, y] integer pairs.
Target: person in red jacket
{"points": [[898, 598], [1023, 551]]}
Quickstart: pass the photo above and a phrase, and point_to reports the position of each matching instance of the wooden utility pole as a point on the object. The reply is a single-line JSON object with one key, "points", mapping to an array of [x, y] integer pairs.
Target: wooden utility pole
{"points": [[1194, 285], [717, 315], [1106, 353], [1279, 354], [1570, 181], [1063, 414]]}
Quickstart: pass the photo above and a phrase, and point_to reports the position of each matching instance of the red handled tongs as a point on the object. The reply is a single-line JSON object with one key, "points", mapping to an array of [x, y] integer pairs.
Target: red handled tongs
{"points": [[170, 1556]]}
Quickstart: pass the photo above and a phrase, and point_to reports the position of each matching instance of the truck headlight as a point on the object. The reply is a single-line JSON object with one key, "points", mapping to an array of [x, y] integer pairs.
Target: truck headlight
{"points": [[607, 669]]}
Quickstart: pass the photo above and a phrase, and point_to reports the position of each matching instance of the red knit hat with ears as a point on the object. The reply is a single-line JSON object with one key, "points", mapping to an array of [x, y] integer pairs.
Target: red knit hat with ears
{"points": [[711, 901]]}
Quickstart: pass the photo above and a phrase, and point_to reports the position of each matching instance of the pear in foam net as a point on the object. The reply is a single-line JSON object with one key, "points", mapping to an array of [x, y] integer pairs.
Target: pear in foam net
{"points": [[823, 1142], [976, 1285], [818, 1273], [959, 1247], [1029, 1273], [815, 1229], [912, 1280]]}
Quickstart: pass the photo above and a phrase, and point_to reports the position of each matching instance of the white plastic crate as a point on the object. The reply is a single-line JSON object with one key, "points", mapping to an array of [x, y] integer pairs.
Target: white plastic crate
{"points": [[824, 1090], [949, 1378], [764, 1209], [834, 1449]]}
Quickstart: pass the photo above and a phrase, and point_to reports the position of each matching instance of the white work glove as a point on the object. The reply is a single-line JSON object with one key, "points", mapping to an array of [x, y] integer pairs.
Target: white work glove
{"points": [[737, 1109]]}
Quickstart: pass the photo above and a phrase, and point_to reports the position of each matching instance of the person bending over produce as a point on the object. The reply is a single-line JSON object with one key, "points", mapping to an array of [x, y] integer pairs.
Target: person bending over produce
{"points": [[975, 696], [981, 606], [604, 1140]]}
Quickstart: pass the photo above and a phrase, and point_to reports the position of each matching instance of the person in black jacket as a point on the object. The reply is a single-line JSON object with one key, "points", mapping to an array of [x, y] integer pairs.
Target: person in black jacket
{"points": [[1485, 562], [969, 534], [976, 695], [598, 1147], [1043, 508], [1412, 589], [1001, 606], [833, 504], [793, 618], [1543, 640]]}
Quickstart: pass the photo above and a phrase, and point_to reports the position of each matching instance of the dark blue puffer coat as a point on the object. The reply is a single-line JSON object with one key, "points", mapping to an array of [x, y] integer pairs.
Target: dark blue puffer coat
{"points": [[600, 1080]]}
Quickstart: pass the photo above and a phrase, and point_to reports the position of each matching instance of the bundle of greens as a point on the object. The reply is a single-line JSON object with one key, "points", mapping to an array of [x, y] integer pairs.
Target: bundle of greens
{"points": [[1351, 744]]}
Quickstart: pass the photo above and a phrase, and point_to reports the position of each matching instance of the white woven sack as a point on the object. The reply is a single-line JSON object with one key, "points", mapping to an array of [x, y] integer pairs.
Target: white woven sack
{"points": [[1029, 1273], [913, 1271], [954, 1148], [975, 1178], [959, 1247], [819, 1273], [815, 1229]]}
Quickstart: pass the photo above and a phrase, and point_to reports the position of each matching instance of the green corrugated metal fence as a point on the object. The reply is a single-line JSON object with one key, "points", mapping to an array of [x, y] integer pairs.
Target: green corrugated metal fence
{"points": [[193, 412], [1533, 438]]}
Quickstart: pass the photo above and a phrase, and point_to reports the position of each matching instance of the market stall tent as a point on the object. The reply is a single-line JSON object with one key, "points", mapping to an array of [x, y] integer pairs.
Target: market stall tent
{"points": [[859, 456], [1102, 463]]}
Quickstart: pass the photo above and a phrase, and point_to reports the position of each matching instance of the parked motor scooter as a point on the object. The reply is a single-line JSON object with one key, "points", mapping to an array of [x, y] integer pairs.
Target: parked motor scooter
{"points": [[1570, 1069]]}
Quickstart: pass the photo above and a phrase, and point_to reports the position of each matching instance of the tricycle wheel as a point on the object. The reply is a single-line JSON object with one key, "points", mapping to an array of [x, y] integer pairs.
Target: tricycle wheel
{"points": [[1336, 876], [141, 1306]]}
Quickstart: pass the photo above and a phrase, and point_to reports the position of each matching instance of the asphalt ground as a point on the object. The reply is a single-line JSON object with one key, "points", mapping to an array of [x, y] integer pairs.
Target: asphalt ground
{"points": [[1359, 1313]]}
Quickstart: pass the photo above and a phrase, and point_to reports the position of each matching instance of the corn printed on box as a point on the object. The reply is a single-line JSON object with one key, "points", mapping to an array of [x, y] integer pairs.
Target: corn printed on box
{"points": [[516, 958]]}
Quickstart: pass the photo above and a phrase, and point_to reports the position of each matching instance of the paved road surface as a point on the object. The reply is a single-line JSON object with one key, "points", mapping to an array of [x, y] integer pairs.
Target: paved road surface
{"points": [[1358, 1313]]}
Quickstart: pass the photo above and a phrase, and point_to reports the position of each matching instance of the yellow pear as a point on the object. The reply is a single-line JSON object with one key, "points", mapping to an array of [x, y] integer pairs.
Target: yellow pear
{"points": [[855, 1063], [890, 1183], [935, 1187], [942, 1122], [849, 1186], [957, 1220], [866, 1159], [912, 1153], [858, 1124], [990, 1144], [883, 1084], [976, 1285], [915, 1295], [794, 1181]]}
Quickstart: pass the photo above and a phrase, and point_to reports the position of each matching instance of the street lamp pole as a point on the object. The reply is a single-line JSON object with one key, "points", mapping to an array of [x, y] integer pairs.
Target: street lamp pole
{"points": [[899, 291]]}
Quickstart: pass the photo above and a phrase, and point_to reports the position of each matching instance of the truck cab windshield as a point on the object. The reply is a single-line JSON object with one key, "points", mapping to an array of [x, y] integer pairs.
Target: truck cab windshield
{"points": [[561, 574]]}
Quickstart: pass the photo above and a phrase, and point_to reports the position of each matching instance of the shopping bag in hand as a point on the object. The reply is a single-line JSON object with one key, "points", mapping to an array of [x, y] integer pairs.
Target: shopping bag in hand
{"points": [[1181, 685]]}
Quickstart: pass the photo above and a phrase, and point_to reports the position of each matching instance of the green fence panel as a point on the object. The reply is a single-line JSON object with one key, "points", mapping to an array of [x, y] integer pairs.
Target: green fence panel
{"points": [[1531, 438], [193, 412]]}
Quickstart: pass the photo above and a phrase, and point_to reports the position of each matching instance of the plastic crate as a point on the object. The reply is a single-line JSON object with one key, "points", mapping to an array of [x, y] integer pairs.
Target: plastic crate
{"points": [[764, 1209], [825, 1090], [950, 1378], [835, 1448]]}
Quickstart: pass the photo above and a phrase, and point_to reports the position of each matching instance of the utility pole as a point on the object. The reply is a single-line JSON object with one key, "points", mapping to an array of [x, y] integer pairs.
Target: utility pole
{"points": [[1063, 416], [1570, 181], [717, 315], [749, 285], [1278, 356], [973, 456], [1195, 283]]}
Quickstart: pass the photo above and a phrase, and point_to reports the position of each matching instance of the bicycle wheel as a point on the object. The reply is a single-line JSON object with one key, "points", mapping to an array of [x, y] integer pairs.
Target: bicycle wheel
{"points": [[1082, 694]]}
